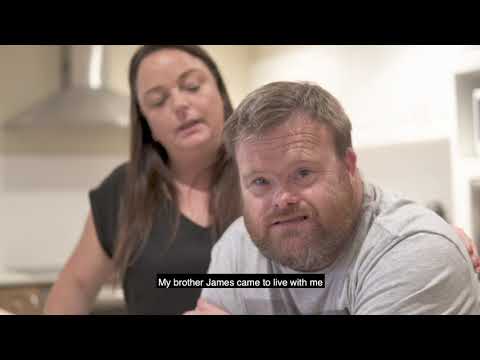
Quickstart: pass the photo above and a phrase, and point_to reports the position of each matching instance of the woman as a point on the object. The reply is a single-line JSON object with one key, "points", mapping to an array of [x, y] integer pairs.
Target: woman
{"points": [[161, 212]]}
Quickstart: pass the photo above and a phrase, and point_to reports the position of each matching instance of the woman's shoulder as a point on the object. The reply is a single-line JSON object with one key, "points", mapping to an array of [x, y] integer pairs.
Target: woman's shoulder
{"points": [[115, 178], [119, 172]]}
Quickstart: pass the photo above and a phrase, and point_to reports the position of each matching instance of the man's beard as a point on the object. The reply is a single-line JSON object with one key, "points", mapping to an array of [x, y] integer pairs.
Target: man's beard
{"points": [[313, 246]]}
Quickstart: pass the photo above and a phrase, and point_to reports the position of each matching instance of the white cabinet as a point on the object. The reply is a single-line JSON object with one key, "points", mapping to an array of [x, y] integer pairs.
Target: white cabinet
{"points": [[466, 161]]}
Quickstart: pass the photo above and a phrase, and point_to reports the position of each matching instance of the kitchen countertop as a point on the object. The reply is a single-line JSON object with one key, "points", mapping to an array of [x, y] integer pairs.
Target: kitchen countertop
{"points": [[108, 296]]}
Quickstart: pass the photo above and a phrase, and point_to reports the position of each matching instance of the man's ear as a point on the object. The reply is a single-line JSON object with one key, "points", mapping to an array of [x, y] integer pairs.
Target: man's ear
{"points": [[350, 160]]}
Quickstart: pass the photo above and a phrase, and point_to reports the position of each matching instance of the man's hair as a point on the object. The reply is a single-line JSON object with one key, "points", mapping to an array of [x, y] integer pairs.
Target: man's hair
{"points": [[272, 105]]}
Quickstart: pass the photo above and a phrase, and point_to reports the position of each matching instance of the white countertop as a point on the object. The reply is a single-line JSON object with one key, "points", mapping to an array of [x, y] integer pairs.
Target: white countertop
{"points": [[107, 296]]}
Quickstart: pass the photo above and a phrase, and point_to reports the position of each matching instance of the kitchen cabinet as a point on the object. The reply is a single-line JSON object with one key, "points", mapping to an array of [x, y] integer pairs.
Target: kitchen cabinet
{"points": [[24, 300], [466, 161]]}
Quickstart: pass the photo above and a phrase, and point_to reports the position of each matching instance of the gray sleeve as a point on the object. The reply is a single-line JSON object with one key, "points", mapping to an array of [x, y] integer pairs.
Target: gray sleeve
{"points": [[225, 256], [422, 274]]}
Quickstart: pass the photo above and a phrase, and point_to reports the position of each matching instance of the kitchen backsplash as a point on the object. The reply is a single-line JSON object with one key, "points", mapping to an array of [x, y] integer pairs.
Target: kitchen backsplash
{"points": [[43, 207]]}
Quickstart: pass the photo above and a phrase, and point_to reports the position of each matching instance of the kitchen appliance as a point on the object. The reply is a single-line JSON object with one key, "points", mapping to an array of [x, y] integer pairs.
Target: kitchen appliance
{"points": [[83, 102]]}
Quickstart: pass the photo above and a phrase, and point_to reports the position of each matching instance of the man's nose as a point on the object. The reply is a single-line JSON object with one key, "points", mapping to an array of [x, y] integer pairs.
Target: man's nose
{"points": [[285, 198]]}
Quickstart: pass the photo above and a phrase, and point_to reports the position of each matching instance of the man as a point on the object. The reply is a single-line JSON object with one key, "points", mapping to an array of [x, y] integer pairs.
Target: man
{"points": [[307, 209]]}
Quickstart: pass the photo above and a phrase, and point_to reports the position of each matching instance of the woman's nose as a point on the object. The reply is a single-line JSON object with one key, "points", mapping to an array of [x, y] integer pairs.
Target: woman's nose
{"points": [[180, 104]]}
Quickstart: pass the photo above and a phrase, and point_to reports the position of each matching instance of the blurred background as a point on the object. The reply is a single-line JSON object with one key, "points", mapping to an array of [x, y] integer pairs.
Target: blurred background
{"points": [[414, 111]]}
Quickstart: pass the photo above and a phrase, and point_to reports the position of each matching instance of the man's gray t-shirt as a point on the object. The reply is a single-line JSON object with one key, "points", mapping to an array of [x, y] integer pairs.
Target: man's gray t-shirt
{"points": [[404, 259]]}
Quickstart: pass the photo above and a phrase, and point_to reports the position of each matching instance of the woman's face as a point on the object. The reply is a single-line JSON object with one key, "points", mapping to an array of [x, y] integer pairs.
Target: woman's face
{"points": [[180, 100]]}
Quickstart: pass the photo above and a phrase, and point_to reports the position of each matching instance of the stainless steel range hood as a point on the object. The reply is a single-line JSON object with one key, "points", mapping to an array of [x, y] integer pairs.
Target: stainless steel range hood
{"points": [[83, 102]]}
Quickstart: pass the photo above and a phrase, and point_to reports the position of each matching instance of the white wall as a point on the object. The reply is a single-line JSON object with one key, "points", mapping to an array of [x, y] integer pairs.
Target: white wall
{"points": [[44, 206], [392, 93], [420, 171], [117, 60], [234, 62]]}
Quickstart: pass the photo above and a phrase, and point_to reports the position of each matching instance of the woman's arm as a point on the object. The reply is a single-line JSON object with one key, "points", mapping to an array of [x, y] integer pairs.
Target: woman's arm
{"points": [[86, 271]]}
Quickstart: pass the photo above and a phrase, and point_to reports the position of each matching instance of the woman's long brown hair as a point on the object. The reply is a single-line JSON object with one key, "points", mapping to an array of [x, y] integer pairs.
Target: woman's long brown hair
{"points": [[149, 184]]}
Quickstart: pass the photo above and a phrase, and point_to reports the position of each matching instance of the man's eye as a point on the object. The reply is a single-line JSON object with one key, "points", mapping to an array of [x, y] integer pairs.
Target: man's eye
{"points": [[304, 172]]}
